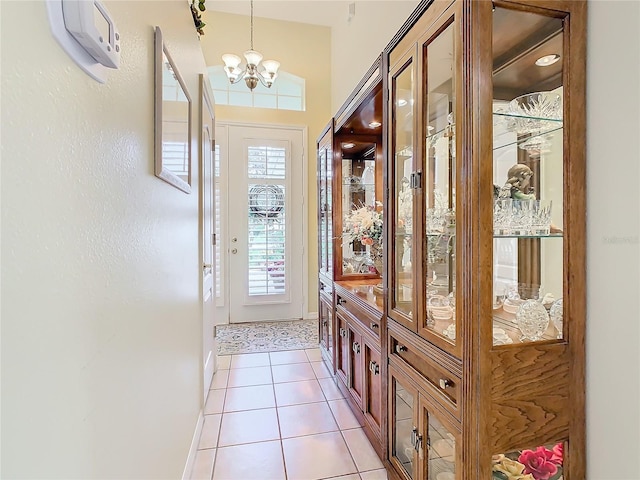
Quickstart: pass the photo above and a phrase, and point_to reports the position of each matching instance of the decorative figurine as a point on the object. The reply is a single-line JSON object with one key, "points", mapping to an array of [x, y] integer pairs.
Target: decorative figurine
{"points": [[517, 186]]}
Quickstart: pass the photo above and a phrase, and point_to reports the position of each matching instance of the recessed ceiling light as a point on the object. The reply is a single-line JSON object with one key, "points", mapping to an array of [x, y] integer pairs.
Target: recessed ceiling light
{"points": [[348, 145], [402, 102], [547, 60], [375, 124]]}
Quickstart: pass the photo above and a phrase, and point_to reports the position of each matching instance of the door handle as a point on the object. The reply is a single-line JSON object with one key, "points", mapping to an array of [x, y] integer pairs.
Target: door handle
{"points": [[234, 251], [374, 368]]}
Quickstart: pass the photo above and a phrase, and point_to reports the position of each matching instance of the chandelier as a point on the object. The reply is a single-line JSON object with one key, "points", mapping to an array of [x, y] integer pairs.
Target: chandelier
{"points": [[250, 73]]}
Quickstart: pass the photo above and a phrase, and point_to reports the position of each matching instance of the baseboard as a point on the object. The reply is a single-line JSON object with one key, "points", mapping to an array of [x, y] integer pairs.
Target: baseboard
{"points": [[311, 316], [191, 458]]}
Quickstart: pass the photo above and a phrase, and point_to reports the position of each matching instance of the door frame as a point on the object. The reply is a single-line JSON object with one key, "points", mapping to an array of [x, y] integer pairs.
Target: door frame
{"points": [[305, 214]]}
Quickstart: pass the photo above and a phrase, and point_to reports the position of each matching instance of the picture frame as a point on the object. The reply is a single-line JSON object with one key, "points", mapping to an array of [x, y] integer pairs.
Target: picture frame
{"points": [[172, 148]]}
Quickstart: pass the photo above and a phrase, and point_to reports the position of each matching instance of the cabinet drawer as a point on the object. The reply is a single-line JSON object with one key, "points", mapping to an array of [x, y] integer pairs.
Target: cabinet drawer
{"points": [[438, 378], [370, 322], [326, 288]]}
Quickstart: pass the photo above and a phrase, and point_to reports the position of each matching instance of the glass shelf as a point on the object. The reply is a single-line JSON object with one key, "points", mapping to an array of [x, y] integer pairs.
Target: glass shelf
{"points": [[508, 116], [551, 235], [528, 138]]}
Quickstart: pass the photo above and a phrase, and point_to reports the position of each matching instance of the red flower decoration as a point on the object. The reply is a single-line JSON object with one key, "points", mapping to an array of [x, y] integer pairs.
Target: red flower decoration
{"points": [[538, 463], [558, 453], [367, 241]]}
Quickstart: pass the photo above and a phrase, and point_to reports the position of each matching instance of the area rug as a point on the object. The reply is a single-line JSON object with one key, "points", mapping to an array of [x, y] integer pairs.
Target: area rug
{"points": [[266, 336]]}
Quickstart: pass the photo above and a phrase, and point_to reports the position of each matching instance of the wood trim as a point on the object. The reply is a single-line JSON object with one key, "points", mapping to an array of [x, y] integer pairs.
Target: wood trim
{"points": [[370, 82], [476, 235], [575, 228], [425, 13]]}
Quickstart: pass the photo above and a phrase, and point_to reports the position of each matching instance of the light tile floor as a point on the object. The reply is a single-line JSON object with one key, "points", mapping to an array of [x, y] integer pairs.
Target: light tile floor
{"points": [[280, 416]]}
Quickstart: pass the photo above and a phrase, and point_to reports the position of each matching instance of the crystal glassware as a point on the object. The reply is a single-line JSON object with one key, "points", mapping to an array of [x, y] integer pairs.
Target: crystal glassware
{"points": [[540, 217], [522, 216], [502, 213], [532, 320], [556, 313]]}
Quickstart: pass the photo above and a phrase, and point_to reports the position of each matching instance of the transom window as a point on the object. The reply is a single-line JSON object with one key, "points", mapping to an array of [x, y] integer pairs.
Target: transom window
{"points": [[287, 93]]}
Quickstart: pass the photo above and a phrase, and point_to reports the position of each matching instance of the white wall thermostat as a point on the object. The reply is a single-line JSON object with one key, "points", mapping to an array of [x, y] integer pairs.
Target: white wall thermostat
{"points": [[91, 25], [87, 32]]}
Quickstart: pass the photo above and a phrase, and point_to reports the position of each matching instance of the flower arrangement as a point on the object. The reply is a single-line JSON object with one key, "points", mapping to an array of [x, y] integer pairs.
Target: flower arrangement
{"points": [[538, 464], [364, 224]]}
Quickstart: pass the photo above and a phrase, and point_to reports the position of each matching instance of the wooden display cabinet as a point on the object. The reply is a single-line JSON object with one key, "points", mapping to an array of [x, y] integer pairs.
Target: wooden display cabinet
{"points": [[485, 232], [359, 317], [350, 173]]}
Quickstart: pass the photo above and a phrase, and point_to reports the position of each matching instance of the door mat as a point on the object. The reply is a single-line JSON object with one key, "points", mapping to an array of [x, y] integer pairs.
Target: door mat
{"points": [[266, 336]]}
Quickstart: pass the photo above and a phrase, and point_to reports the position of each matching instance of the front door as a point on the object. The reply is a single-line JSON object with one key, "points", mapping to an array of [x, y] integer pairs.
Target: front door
{"points": [[265, 229]]}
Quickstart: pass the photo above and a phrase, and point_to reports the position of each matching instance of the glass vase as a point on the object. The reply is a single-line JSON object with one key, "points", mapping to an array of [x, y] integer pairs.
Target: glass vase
{"points": [[532, 320]]}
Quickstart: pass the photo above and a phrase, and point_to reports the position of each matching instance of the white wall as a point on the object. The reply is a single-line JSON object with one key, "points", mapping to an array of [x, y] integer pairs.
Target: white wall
{"points": [[357, 43], [101, 329], [613, 257]]}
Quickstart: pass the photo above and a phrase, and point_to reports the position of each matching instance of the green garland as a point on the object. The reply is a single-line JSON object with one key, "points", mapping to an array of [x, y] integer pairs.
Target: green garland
{"points": [[197, 17]]}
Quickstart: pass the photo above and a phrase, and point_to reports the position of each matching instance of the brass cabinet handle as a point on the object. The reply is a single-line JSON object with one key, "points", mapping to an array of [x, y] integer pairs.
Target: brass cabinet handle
{"points": [[414, 436], [324, 323], [343, 332], [374, 368], [374, 325], [400, 348], [341, 301], [445, 383], [356, 347]]}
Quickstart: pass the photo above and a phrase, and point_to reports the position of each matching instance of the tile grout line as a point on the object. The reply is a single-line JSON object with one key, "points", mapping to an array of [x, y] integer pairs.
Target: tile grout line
{"points": [[275, 401]]}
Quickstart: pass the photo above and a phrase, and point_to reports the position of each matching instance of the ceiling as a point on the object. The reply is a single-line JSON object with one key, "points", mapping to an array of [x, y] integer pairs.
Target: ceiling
{"points": [[315, 12]]}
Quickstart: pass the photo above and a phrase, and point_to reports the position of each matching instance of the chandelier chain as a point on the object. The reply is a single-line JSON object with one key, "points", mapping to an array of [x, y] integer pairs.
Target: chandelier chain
{"points": [[251, 24]]}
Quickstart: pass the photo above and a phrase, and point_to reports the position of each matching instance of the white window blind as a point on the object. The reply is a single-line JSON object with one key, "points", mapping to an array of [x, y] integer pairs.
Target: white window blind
{"points": [[267, 170]]}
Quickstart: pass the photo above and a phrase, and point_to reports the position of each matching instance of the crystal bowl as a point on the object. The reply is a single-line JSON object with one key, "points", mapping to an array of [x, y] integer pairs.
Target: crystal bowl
{"points": [[539, 105]]}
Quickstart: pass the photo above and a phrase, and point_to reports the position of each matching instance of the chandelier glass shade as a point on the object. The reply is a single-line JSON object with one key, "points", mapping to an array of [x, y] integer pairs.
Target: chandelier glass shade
{"points": [[254, 69]]}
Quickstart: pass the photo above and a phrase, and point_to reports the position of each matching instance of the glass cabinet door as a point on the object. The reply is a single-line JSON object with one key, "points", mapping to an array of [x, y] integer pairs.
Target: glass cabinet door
{"points": [[439, 184], [403, 427], [322, 209], [329, 209], [325, 226], [402, 182], [441, 449], [528, 184]]}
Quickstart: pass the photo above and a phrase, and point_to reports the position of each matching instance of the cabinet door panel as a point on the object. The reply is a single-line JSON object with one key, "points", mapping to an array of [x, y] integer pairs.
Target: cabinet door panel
{"points": [[437, 440], [326, 327], [440, 83], [342, 349], [372, 403], [403, 425], [402, 183], [356, 364]]}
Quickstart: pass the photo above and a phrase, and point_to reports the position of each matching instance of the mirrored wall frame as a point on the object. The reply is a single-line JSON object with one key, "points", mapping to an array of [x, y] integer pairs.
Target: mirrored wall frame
{"points": [[172, 142]]}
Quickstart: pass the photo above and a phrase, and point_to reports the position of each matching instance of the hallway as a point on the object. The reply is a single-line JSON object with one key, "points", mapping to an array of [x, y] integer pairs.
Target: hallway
{"points": [[279, 415]]}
